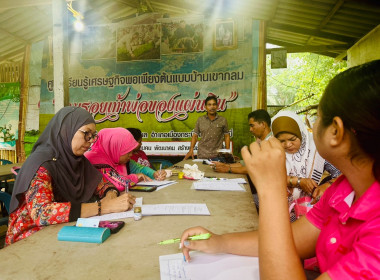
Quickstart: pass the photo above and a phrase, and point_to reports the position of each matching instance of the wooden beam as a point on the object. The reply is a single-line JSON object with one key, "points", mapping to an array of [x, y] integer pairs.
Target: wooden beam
{"points": [[17, 52], [331, 13], [341, 56], [322, 48], [13, 36], [313, 32], [23, 105], [12, 4], [262, 86]]}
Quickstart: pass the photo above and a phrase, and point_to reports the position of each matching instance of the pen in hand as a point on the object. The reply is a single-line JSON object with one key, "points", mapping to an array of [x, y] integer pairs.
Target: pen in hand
{"points": [[203, 236]]}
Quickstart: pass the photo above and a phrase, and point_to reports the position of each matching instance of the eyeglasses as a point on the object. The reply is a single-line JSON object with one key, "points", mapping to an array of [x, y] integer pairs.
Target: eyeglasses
{"points": [[88, 136]]}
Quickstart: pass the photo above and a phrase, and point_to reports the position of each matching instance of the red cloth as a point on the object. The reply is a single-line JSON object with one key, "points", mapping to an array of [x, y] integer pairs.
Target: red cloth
{"points": [[141, 158]]}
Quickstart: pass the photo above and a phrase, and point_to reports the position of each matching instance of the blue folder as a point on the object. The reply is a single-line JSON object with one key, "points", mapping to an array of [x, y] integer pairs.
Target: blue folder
{"points": [[83, 234]]}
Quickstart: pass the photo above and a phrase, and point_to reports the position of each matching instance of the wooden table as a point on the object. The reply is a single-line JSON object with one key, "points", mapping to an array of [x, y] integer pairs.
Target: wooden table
{"points": [[132, 253], [6, 173]]}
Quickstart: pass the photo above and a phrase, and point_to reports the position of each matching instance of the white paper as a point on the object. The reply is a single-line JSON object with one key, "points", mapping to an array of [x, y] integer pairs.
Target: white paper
{"points": [[167, 185], [236, 180], [119, 215], [217, 185], [175, 209], [159, 209], [155, 183], [209, 267]]}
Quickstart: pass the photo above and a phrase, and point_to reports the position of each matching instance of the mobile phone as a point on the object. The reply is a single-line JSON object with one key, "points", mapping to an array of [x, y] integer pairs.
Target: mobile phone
{"points": [[143, 188], [114, 226]]}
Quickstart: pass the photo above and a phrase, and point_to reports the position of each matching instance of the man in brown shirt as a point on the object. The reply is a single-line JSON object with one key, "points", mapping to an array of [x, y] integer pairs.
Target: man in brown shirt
{"points": [[260, 126], [212, 129]]}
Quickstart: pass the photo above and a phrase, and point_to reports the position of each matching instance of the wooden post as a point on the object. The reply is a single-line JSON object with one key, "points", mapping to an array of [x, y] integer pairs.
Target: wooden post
{"points": [[60, 54], [23, 105], [262, 87]]}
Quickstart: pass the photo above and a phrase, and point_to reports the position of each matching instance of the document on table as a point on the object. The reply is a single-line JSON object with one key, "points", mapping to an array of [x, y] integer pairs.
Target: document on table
{"points": [[119, 215], [175, 209], [155, 183], [218, 185], [209, 267]]}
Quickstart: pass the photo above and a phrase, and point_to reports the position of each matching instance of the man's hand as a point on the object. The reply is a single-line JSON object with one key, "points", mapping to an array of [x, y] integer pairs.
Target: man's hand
{"points": [[190, 153]]}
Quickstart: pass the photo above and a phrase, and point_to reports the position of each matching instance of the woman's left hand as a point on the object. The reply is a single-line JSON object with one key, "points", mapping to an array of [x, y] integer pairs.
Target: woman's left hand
{"points": [[143, 177], [319, 192], [160, 175], [308, 185], [121, 203]]}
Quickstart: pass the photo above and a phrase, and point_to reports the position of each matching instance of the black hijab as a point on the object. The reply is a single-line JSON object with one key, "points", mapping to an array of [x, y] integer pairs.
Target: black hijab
{"points": [[73, 177]]}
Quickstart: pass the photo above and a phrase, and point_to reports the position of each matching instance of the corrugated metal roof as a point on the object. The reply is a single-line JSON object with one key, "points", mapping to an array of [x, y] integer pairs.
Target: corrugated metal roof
{"points": [[334, 24]]}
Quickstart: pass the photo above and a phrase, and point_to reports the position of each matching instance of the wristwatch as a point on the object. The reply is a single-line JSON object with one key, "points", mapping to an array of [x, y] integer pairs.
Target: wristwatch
{"points": [[298, 182]]}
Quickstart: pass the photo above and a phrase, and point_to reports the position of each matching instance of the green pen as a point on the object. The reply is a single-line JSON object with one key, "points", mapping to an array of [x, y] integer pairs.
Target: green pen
{"points": [[203, 236]]}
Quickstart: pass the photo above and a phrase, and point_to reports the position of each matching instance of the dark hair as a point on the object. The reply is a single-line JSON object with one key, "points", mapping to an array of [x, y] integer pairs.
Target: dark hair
{"points": [[260, 115], [354, 96], [135, 132], [211, 97]]}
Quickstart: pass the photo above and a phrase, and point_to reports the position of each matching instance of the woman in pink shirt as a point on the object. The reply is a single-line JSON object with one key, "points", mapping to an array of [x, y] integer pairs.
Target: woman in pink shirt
{"points": [[343, 228]]}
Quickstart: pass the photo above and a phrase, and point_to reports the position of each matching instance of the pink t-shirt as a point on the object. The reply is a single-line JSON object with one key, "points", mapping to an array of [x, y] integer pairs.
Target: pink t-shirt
{"points": [[348, 246]]}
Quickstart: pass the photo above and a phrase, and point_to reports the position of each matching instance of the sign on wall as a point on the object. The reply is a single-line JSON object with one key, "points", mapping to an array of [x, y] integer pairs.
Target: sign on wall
{"points": [[156, 73]]}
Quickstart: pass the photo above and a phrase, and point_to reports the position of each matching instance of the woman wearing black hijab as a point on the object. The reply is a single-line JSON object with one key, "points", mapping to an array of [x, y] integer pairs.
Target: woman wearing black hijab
{"points": [[56, 180]]}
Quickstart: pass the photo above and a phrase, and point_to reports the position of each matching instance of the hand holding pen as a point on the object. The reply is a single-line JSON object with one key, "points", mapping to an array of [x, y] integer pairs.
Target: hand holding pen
{"points": [[212, 244]]}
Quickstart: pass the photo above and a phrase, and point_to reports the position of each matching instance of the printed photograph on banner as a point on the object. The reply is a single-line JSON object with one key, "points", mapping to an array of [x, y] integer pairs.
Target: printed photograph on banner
{"points": [[225, 35], [181, 35], [9, 114], [99, 42], [138, 42]]}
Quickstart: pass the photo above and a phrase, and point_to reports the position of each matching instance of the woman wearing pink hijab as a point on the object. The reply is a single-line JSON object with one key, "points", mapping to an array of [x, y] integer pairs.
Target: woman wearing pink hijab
{"points": [[111, 153]]}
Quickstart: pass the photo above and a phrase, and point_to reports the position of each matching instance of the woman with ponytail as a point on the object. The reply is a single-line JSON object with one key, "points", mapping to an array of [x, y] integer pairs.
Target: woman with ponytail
{"points": [[343, 228]]}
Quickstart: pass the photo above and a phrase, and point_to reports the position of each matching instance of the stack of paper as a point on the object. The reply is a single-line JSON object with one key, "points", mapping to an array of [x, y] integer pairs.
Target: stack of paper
{"points": [[159, 184], [218, 185], [209, 267], [159, 209]]}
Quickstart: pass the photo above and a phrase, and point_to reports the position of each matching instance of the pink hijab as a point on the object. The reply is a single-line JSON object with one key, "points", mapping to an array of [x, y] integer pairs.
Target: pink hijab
{"points": [[111, 144]]}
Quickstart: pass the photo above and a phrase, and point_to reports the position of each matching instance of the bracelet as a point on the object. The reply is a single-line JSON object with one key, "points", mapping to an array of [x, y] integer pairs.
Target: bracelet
{"points": [[229, 170], [99, 208], [298, 182]]}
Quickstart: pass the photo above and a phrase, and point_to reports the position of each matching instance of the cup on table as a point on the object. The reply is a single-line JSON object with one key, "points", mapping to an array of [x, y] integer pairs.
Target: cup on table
{"points": [[168, 173]]}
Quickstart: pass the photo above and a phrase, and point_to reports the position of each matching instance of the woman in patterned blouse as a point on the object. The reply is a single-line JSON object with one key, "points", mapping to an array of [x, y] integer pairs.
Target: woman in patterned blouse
{"points": [[56, 181]]}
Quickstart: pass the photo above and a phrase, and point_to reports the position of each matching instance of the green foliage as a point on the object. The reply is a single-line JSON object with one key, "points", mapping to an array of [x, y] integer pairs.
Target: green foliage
{"points": [[303, 81], [30, 139]]}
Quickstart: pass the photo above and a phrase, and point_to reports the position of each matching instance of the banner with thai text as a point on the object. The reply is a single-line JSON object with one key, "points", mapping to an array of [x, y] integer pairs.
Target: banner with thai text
{"points": [[9, 115], [154, 74]]}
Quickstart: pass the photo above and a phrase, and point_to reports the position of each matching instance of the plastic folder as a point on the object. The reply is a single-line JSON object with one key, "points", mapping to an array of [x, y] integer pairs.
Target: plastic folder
{"points": [[83, 234]]}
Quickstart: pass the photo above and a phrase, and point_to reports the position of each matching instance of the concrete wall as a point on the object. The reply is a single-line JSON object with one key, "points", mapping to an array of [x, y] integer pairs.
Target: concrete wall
{"points": [[366, 49]]}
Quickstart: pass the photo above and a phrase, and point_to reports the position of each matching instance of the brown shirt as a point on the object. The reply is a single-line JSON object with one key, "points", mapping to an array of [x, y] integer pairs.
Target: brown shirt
{"points": [[212, 135]]}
